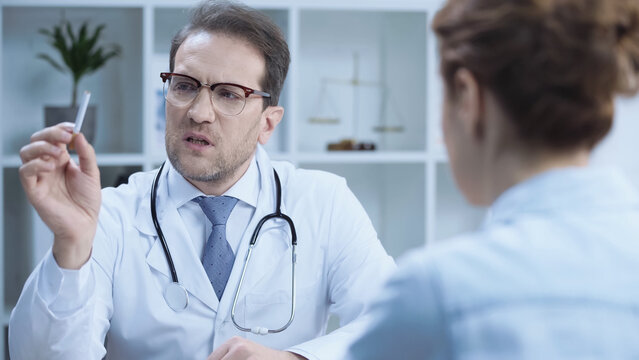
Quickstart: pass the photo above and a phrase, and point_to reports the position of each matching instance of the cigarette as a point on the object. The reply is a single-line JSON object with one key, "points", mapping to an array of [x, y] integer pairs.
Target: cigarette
{"points": [[79, 118]]}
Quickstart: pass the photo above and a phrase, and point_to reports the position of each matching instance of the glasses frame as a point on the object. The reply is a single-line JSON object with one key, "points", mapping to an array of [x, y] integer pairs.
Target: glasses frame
{"points": [[166, 76]]}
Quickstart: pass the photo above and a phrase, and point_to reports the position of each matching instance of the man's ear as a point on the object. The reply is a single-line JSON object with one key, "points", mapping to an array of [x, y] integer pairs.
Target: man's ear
{"points": [[271, 116], [469, 103]]}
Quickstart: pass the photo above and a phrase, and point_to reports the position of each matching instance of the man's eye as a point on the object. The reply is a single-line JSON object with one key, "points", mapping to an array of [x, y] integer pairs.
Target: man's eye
{"points": [[228, 94], [184, 86]]}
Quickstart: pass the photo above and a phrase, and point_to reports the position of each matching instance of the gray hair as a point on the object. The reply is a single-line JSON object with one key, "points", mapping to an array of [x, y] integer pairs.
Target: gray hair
{"points": [[239, 20]]}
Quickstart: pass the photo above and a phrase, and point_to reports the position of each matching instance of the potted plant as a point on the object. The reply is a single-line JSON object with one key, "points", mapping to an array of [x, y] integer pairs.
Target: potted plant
{"points": [[81, 55]]}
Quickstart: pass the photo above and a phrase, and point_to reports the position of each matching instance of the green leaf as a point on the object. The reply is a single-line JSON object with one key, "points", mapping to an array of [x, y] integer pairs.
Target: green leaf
{"points": [[83, 33], [53, 63], [46, 32], [94, 38], [59, 43], [70, 32]]}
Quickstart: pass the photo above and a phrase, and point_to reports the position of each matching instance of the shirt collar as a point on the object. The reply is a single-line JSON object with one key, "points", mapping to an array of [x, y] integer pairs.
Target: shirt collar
{"points": [[246, 189], [571, 189]]}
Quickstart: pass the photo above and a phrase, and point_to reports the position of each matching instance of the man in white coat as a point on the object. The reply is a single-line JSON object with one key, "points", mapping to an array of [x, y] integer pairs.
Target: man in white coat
{"points": [[105, 287]]}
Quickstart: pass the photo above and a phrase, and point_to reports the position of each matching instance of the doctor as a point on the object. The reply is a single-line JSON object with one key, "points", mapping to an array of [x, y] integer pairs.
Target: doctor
{"points": [[110, 288]]}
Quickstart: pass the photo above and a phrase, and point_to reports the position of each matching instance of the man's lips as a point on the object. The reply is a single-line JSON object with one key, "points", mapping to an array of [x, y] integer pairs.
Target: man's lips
{"points": [[197, 139]]}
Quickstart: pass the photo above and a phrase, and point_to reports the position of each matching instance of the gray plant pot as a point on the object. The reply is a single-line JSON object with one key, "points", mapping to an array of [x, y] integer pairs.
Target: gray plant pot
{"points": [[57, 114]]}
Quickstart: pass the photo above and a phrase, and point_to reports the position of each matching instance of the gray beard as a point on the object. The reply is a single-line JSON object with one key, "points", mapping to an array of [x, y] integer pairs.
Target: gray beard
{"points": [[225, 170], [202, 177]]}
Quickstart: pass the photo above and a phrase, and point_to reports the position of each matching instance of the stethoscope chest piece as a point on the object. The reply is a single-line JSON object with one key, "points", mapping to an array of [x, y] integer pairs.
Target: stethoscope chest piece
{"points": [[176, 296]]}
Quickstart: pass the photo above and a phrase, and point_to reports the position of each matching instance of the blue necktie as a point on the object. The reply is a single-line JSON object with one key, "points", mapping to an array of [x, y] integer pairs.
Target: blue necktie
{"points": [[218, 256]]}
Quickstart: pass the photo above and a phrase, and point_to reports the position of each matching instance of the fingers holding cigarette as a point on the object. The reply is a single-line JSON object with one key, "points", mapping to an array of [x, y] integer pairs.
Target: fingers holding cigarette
{"points": [[47, 143], [86, 156]]}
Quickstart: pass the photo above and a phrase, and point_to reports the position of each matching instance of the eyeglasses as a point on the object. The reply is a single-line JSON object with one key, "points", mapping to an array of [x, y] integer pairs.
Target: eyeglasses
{"points": [[228, 98]]}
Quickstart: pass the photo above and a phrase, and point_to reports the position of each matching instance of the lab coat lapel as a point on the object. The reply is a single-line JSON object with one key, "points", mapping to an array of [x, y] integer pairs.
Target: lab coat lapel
{"points": [[265, 257], [188, 266]]}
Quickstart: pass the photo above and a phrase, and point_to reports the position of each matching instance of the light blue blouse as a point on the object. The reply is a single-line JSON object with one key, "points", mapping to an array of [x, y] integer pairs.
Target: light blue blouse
{"points": [[552, 274]]}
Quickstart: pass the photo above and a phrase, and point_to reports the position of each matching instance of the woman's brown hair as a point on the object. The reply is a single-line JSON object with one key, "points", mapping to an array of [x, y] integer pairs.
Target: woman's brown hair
{"points": [[554, 65]]}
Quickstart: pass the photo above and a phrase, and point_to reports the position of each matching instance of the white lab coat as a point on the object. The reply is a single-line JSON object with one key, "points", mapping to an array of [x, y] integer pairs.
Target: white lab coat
{"points": [[341, 264]]}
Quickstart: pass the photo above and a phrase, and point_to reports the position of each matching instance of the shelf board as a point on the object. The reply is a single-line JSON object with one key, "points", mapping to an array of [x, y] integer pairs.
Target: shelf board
{"points": [[440, 157], [120, 159], [349, 157], [75, 3], [274, 4], [365, 157], [13, 161], [10, 161], [338, 157], [397, 5], [6, 314]]}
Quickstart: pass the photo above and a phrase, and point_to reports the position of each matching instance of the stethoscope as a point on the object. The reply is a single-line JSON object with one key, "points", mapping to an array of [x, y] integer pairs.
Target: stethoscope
{"points": [[176, 296]]}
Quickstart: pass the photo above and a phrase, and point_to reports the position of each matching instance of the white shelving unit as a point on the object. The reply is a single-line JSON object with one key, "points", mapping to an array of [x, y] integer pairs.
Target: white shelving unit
{"points": [[405, 185]]}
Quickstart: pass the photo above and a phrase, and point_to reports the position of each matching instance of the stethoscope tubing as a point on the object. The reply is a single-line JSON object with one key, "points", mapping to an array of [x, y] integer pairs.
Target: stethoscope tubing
{"points": [[262, 330], [158, 228]]}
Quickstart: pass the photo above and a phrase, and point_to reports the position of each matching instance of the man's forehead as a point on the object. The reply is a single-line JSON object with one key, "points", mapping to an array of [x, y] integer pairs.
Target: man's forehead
{"points": [[220, 50], [203, 38]]}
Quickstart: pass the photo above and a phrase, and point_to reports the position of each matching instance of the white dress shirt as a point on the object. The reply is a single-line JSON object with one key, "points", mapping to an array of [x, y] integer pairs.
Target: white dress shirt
{"points": [[246, 189]]}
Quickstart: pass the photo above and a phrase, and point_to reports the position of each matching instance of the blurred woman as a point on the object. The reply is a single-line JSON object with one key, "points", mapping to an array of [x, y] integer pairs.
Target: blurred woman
{"points": [[553, 273]]}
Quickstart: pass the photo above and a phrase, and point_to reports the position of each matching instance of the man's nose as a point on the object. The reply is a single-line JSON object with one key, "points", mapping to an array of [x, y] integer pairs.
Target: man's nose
{"points": [[202, 108]]}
